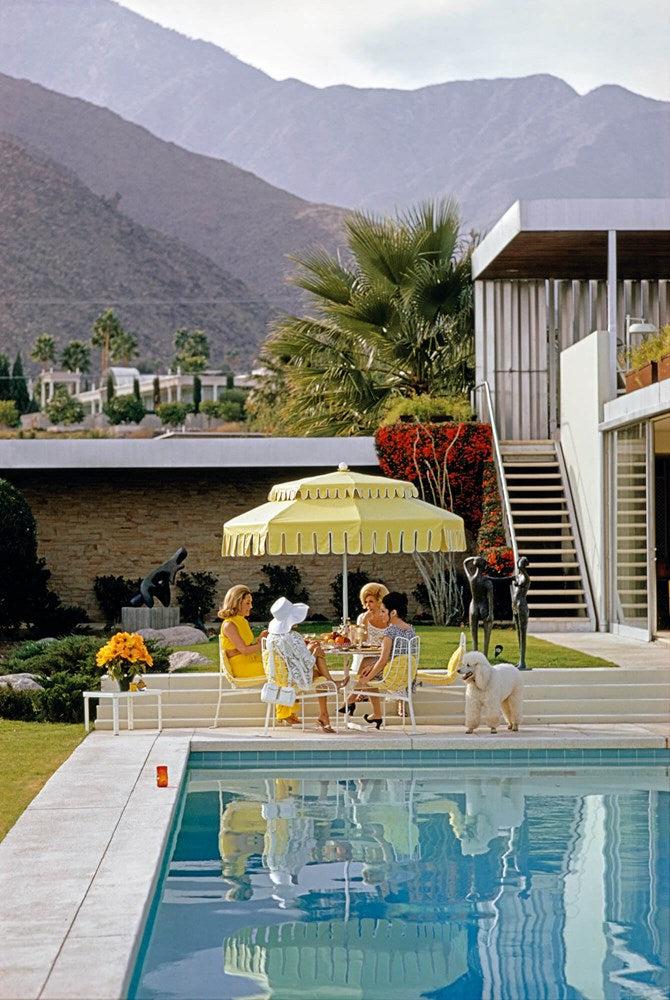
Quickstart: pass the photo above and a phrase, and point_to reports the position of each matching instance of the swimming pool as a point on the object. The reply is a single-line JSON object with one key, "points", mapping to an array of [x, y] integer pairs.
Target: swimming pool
{"points": [[429, 876]]}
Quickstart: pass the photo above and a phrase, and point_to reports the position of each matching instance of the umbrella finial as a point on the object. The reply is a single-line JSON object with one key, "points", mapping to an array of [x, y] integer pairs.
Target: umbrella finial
{"points": [[343, 467]]}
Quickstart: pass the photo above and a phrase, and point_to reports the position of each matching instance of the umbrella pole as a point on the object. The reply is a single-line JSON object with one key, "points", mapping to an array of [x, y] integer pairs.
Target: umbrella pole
{"points": [[345, 588]]}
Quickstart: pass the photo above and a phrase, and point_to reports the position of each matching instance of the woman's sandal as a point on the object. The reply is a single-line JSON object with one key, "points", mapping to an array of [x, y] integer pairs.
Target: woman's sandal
{"points": [[323, 727], [373, 722], [290, 720]]}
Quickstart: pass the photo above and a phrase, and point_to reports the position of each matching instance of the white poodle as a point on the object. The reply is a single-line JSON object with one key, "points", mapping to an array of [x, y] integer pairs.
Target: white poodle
{"points": [[491, 689]]}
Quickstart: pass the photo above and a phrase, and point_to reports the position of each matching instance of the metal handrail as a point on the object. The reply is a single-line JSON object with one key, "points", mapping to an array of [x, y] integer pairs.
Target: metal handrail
{"points": [[500, 467]]}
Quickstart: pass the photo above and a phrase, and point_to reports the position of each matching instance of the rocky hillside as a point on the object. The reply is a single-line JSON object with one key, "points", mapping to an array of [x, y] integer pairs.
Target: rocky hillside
{"points": [[66, 254], [486, 141], [241, 223]]}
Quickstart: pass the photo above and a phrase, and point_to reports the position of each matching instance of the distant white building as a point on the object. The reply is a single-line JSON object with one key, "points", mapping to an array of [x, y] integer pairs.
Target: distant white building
{"points": [[174, 387]]}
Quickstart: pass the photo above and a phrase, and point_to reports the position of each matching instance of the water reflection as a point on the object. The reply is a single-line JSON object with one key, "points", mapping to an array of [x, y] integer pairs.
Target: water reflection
{"points": [[417, 883]]}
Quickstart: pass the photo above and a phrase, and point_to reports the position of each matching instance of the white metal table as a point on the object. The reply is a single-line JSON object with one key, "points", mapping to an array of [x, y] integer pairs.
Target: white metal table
{"points": [[115, 697]]}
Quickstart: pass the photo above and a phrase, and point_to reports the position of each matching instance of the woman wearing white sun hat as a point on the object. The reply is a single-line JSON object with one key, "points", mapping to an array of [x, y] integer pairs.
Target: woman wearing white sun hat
{"points": [[304, 661]]}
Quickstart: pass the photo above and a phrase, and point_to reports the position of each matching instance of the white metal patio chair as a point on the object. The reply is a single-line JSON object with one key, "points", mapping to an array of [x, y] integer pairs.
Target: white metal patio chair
{"points": [[237, 685], [398, 678], [277, 671]]}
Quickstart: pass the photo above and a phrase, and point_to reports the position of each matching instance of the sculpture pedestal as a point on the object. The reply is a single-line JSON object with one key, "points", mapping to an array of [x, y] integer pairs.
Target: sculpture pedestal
{"points": [[134, 619]]}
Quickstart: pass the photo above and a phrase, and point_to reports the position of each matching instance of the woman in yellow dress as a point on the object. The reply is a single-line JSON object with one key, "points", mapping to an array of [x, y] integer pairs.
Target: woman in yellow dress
{"points": [[238, 642]]}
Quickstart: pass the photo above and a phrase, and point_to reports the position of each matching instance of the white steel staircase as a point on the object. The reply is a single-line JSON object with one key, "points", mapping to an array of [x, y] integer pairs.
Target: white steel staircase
{"points": [[546, 532]]}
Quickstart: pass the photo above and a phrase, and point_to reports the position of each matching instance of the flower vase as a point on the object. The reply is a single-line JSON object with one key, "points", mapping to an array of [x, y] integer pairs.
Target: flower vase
{"points": [[124, 683]]}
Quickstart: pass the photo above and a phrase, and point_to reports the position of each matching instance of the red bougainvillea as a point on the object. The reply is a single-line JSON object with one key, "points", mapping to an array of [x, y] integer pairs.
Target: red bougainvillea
{"points": [[409, 451], [418, 452]]}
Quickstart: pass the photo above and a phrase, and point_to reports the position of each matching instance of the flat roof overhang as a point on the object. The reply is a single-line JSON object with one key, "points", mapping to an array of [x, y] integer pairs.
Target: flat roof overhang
{"points": [[568, 239], [184, 453]]}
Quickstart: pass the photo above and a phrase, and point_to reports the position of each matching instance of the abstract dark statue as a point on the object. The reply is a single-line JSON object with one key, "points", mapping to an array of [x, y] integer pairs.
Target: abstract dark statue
{"points": [[519, 588], [481, 605], [157, 584]]}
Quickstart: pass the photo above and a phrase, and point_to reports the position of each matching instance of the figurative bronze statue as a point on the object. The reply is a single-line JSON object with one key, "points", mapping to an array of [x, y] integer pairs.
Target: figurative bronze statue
{"points": [[519, 588], [157, 584], [481, 605]]}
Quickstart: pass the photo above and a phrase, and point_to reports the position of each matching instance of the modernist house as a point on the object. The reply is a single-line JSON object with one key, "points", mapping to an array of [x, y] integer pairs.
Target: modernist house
{"points": [[561, 287]]}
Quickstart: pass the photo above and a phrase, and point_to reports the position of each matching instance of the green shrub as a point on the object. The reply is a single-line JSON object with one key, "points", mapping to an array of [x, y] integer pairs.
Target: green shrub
{"points": [[196, 596], [124, 410], [74, 654], [64, 408], [9, 415], [356, 578], [61, 700], [160, 655], [173, 414], [222, 410], [113, 593], [25, 597], [283, 581], [652, 348], [428, 409], [20, 706]]}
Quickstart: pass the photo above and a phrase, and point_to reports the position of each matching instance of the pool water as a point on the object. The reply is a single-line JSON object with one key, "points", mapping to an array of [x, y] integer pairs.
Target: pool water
{"points": [[380, 883]]}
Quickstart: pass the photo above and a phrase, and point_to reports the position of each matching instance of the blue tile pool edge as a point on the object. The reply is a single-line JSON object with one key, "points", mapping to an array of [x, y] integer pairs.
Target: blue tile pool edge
{"points": [[242, 759], [136, 955]]}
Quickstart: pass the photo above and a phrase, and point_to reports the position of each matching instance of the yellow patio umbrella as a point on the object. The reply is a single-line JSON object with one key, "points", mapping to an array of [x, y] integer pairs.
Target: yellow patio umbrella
{"points": [[346, 513]]}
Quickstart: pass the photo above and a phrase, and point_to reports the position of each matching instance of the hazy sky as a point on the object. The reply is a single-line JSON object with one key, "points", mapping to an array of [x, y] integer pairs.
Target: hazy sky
{"points": [[394, 43]]}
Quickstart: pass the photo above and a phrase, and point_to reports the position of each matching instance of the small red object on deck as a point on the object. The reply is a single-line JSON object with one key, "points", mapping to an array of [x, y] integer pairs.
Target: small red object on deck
{"points": [[162, 776]]}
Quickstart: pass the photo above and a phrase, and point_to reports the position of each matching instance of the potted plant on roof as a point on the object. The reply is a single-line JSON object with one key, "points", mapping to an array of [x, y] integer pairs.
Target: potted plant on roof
{"points": [[124, 656], [645, 360]]}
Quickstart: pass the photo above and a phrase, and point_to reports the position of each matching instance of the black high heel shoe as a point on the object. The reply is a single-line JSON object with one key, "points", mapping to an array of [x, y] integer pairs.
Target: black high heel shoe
{"points": [[376, 722], [347, 709]]}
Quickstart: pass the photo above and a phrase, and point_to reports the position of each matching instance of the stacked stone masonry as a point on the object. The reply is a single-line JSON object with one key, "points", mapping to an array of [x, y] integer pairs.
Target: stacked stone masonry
{"points": [[126, 521]]}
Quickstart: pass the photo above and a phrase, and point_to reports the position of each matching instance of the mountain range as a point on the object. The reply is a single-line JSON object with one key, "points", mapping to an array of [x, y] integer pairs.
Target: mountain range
{"points": [[66, 254], [487, 142], [160, 174]]}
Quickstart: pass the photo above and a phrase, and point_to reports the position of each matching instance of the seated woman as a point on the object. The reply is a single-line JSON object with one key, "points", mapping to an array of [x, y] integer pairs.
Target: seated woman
{"points": [[237, 640], [304, 661], [396, 606], [374, 618]]}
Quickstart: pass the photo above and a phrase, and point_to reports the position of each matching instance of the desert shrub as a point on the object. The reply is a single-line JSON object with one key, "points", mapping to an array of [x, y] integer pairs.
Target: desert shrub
{"points": [[20, 706], [64, 408], [9, 415], [283, 581], [61, 700], [196, 594], [356, 578], [652, 348], [428, 409], [25, 597], [73, 654], [173, 414], [113, 593], [124, 410]]}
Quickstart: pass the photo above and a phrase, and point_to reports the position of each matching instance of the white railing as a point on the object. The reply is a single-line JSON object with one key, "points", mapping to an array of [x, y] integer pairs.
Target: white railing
{"points": [[500, 468]]}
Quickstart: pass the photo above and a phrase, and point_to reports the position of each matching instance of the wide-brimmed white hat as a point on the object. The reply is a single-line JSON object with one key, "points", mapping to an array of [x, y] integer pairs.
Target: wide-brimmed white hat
{"points": [[286, 614]]}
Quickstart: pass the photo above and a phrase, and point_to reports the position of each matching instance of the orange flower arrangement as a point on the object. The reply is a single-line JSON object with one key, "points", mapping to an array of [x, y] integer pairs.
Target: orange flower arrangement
{"points": [[124, 656]]}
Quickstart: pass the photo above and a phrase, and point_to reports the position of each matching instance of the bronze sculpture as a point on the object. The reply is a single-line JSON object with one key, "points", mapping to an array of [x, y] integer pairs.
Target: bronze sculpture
{"points": [[481, 605], [157, 584], [519, 587]]}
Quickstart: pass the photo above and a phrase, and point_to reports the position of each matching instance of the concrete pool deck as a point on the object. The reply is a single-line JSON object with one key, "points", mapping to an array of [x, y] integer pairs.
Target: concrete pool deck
{"points": [[78, 868]]}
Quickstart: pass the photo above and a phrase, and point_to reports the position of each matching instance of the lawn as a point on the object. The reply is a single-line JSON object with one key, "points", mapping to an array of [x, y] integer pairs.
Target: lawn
{"points": [[29, 754], [437, 644]]}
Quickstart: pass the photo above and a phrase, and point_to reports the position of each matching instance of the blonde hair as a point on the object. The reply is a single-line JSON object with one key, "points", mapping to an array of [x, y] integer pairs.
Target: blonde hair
{"points": [[232, 601], [376, 590]]}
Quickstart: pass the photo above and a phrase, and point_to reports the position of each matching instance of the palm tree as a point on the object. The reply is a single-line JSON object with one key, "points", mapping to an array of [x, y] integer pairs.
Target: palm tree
{"points": [[191, 350], [123, 347], [397, 320], [76, 357], [44, 349]]}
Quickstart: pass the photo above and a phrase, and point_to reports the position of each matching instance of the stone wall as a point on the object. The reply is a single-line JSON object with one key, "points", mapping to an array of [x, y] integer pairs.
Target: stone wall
{"points": [[127, 521]]}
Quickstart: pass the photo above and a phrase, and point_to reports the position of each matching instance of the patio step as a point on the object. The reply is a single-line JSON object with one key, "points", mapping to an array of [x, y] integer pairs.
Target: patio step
{"points": [[572, 696]]}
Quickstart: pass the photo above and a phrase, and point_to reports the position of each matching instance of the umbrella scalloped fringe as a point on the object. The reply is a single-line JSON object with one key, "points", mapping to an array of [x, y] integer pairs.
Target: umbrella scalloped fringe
{"points": [[293, 543], [301, 491]]}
